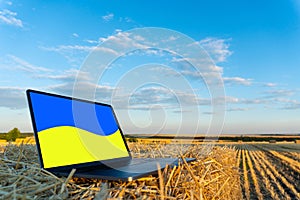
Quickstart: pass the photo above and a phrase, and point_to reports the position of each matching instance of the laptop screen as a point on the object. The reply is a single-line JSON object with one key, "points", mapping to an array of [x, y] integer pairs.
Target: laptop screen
{"points": [[71, 131]]}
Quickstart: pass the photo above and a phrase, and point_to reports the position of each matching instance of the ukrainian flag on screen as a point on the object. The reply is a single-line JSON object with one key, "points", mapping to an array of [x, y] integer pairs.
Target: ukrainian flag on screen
{"points": [[74, 132]]}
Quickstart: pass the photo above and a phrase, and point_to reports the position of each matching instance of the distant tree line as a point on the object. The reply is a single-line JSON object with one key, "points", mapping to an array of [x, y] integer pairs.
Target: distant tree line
{"points": [[13, 134], [222, 138]]}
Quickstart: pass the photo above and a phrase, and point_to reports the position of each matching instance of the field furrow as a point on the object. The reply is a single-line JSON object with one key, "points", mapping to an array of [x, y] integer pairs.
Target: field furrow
{"points": [[288, 186], [269, 189], [254, 177], [238, 160], [285, 169], [295, 155], [275, 181], [292, 155], [245, 182], [292, 163]]}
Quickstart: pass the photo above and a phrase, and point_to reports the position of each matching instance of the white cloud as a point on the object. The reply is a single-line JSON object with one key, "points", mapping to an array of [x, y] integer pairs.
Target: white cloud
{"points": [[146, 98], [172, 38], [218, 49], [289, 104], [9, 17], [211, 67], [235, 100], [237, 109], [125, 19], [279, 93], [65, 84], [292, 105], [79, 48], [285, 100], [102, 92], [75, 35], [62, 48], [237, 80], [286, 103], [208, 113], [158, 97], [12, 97], [20, 64], [75, 54], [230, 99], [108, 17], [92, 41], [274, 102], [124, 39], [255, 101], [208, 71], [66, 76], [269, 84]]}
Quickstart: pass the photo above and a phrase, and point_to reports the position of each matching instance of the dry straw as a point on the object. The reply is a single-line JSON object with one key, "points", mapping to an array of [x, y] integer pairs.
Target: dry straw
{"points": [[212, 176]]}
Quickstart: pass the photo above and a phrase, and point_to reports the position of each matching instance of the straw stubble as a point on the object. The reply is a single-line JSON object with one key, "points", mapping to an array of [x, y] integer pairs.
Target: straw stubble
{"points": [[211, 176]]}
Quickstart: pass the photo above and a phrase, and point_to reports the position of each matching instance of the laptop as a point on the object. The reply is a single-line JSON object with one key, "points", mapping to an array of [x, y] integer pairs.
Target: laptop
{"points": [[72, 133]]}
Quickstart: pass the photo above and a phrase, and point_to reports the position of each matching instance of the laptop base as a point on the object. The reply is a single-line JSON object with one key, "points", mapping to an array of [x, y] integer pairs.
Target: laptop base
{"points": [[136, 168]]}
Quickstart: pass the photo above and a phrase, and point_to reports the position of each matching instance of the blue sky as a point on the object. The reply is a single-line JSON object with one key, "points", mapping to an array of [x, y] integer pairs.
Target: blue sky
{"points": [[254, 45]]}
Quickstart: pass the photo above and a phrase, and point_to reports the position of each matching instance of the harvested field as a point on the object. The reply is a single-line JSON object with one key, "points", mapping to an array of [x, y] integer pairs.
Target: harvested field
{"points": [[269, 171], [213, 176]]}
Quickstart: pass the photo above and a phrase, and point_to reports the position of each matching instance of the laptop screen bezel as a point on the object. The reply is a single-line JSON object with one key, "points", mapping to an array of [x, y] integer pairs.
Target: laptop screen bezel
{"points": [[108, 162]]}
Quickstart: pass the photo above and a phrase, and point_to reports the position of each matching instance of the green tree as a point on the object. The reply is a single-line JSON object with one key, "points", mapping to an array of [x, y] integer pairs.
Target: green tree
{"points": [[13, 134], [132, 140]]}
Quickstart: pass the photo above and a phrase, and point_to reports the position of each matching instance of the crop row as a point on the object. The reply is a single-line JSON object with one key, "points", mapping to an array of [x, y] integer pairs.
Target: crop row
{"points": [[267, 173]]}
